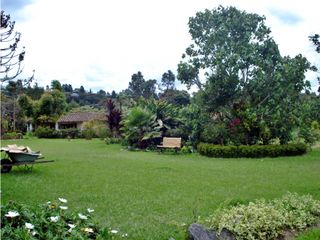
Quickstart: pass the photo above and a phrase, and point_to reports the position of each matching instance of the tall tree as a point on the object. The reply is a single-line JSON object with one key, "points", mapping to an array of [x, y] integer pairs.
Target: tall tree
{"points": [[168, 80], [243, 71], [55, 84], [136, 85], [139, 87]]}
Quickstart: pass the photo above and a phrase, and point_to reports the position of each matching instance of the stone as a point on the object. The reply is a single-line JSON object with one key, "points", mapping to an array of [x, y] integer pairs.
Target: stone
{"points": [[199, 232]]}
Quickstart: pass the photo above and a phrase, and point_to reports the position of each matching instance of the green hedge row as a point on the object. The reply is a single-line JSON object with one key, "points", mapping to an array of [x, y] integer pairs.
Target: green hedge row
{"points": [[45, 132], [254, 151]]}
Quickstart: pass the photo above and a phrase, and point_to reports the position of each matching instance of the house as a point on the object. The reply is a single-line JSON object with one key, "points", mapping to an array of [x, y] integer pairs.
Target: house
{"points": [[76, 119]]}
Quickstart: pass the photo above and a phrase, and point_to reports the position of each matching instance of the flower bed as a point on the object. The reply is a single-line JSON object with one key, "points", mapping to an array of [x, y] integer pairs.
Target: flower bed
{"points": [[52, 220]]}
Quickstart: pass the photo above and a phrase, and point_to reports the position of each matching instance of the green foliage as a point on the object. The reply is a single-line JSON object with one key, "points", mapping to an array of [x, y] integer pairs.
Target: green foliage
{"points": [[267, 220], [175, 97], [186, 149], [140, 126], [139, 87], [215, 133], [112, 140], [12, 135], [50, 221], [253, 151], [245, 75], [56, 85], [46, 132], [95, 128], [49, 107], [167, 80], [70, 133], [26, 104]]}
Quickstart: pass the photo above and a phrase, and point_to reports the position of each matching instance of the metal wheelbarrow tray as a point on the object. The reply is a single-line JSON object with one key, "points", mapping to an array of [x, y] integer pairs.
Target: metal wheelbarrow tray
{"points": [[20, 156]]}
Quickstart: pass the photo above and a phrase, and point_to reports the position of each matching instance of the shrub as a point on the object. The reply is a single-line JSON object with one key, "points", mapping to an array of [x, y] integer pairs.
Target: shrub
{"points": [[253, 151], [70, 132], [12, 135], [186, 149], [94, 128], [112, 140], [52, 220], [267, 220], [46, 132]]}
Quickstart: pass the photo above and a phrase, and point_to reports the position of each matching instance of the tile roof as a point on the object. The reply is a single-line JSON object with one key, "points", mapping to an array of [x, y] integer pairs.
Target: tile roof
{"points": [[82, 117]]}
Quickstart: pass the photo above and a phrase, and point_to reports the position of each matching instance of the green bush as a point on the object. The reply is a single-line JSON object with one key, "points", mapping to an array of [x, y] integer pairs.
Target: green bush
{"points": [[49, 221], [253, 151], [70, 132], [12, 135], [46, 132], [112, 140], [267, 220], [186, 149]]}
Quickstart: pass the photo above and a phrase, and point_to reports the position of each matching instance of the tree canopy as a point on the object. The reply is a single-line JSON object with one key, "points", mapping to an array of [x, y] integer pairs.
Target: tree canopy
{"points": [[246, 78]]}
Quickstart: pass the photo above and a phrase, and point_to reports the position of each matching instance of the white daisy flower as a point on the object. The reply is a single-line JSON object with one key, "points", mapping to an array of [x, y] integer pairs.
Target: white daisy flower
{"points": [[114, 231], [29, 226], [72, 226], [90, 210], [83, 217], [54, 219], [63, 200], [63, 207], [88, 230], [12, 214]]}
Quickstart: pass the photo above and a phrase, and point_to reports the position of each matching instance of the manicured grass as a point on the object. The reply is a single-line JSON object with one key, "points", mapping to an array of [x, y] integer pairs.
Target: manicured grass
{"points": [[313, 234], [150, 195]]}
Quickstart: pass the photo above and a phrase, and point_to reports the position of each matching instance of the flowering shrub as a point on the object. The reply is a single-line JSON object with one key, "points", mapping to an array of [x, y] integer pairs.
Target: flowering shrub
{"points": [[49, 221], [267, 220]]}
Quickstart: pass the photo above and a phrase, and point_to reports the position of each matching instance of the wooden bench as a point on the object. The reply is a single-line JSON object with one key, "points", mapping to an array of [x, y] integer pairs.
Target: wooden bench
{"points": [[171, 143]]}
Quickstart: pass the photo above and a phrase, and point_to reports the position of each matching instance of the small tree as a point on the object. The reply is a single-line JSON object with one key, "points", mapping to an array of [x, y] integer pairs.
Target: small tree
{"points": [[114, 117], [167, 80]]}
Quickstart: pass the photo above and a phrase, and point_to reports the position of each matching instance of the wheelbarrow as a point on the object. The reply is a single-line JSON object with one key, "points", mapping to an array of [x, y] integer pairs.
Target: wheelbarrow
{"points": [[20, 156]]}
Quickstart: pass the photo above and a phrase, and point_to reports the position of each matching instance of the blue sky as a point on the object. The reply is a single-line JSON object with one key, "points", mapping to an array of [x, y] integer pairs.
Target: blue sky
{"points": [[100, 44]]}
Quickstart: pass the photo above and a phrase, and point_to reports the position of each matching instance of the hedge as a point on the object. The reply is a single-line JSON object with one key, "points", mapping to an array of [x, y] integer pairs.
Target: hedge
{"points": [[253, 151], [46, 132]]}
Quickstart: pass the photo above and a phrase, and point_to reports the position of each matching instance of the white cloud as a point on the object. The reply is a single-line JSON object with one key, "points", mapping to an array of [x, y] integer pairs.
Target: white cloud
{"points": [[99, 44]]}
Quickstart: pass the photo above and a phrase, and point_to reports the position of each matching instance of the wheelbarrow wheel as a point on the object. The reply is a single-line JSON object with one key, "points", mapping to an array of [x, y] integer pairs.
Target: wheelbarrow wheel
{"points": [[5, 169]]}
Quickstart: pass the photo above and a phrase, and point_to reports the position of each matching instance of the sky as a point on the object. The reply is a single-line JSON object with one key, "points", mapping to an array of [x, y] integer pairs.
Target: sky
{"points": [[99, 44]]}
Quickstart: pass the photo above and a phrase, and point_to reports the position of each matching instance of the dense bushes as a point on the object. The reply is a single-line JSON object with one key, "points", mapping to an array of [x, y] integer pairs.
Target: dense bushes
{"points": [[88, 132], [267, 220], [12, 135], [46, 132], [253, 151]]}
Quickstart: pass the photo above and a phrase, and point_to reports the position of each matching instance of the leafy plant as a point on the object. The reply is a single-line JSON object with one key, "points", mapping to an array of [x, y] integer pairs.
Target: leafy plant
{"points": [[140, 125], [53, 220], [267, 220]]}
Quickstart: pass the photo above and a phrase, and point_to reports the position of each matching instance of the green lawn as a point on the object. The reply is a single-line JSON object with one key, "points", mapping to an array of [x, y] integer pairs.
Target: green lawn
{"points": [[150, 195]]}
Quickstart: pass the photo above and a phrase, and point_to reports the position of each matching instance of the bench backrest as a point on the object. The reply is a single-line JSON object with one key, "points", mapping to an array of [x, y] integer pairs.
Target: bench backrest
{"points": [[171, 142]]}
